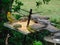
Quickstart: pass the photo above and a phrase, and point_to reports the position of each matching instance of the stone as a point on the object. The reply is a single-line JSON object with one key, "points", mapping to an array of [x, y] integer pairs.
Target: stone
{"points": [[43, 21], [33, 16], [36, 27]]}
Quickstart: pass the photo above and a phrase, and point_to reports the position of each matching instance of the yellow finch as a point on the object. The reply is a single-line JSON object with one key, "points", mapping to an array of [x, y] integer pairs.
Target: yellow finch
{"points": [[10, 17]]}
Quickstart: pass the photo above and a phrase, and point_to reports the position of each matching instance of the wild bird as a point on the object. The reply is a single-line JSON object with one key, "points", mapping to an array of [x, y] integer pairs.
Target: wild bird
{"points": [[10, 18]]}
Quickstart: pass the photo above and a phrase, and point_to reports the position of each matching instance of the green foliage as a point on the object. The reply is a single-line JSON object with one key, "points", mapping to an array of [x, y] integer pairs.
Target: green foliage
{"points": [[38, 3], [2, 42], [37, 43], [56, 23], [54, 20], [18, 5], [5, 1], [6, 4], [46, 1], [17, 16], [4, 18]]}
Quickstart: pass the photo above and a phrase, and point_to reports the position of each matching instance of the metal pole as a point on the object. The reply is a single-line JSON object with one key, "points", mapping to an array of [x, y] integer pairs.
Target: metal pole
{"points": [[29, 17]]}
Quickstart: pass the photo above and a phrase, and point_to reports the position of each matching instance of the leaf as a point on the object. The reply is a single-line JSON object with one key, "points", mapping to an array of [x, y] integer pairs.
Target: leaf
{"points": [[37, 43]]}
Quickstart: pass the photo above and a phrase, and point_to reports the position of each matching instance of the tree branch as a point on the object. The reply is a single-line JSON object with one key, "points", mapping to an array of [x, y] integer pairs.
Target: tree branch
{"points": [[6, 40]]}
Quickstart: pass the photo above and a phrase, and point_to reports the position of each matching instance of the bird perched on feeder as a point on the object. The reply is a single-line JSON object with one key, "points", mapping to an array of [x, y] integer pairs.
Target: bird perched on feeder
{"points": [[10, 17]]}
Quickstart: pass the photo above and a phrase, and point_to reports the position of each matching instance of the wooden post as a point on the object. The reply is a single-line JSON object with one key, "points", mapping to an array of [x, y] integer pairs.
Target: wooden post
{"points": [[29, 17]]}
